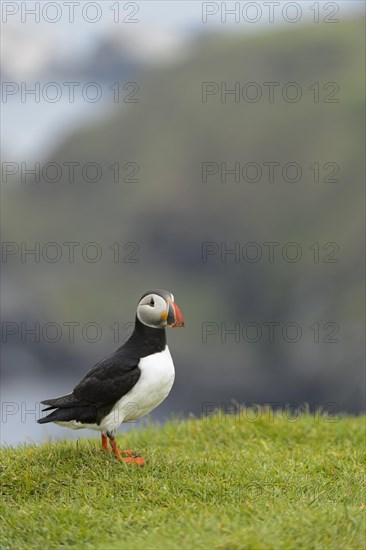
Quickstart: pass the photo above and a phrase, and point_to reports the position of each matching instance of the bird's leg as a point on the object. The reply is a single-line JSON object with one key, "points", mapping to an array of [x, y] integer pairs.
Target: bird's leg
{"points": [[115, 449], [131, 459], [105, 443]]}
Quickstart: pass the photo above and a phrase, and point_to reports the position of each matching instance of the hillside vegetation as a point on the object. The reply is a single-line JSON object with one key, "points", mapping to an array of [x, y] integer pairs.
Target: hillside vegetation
{"points": [[168, 212], [224, 482]]}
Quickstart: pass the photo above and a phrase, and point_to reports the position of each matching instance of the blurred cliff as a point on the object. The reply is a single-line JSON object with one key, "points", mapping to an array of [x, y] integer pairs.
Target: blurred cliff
{"points": [[167, 210]]}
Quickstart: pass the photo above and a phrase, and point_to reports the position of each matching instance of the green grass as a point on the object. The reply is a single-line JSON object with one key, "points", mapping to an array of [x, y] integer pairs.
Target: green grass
{"points": [[224, 482]]}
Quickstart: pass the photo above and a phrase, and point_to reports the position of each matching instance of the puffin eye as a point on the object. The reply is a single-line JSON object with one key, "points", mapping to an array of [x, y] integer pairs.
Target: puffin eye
{"points": [[152, 303]]}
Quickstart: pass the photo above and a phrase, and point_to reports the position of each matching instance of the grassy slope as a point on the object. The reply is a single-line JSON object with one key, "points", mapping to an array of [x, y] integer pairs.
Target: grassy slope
{"points": [[223, 483]]}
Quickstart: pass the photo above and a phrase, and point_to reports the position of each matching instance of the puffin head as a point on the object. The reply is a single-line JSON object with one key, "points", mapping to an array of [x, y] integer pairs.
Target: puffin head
{"points": [[156, 309]]}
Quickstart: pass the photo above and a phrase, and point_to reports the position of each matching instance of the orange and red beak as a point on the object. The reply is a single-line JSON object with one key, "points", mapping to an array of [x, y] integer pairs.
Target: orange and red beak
{"points": [[175, 317]]}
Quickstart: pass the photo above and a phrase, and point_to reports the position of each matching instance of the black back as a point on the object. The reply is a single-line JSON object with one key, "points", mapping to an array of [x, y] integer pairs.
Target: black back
{"points": [[109, 380]]}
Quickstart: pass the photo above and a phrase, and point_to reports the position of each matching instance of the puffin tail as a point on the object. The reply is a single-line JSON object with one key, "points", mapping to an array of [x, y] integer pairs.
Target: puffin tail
{"points": [[68, 408], [65, 401], [58, 415], [46, 419], [64, 406]]}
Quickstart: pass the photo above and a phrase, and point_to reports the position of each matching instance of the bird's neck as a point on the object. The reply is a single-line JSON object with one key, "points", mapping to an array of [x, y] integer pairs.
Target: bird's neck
{"points": [[149, 340]]}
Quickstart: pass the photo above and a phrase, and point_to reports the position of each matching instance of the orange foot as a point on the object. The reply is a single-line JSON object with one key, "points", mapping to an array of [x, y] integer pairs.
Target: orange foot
{"points": [[138, 460], [131, 457]]}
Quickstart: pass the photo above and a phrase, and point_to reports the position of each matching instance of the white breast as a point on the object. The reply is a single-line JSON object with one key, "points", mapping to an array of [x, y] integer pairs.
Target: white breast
{"points": [[153, 386]]}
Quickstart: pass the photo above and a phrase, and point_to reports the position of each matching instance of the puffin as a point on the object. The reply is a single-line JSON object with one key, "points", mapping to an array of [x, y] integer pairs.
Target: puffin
{"points": [[129, 383]]}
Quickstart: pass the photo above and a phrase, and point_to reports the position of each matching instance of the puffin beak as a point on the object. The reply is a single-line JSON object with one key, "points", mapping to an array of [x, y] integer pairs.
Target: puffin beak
{"points": [[175, 317]]}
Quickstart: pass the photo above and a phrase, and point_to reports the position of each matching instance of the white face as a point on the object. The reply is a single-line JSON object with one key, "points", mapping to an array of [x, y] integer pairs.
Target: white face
{"points": [[152, 311]]}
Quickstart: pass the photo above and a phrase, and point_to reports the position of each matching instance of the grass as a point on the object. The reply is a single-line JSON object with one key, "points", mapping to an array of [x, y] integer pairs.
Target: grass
{"points": [[225, 482]]}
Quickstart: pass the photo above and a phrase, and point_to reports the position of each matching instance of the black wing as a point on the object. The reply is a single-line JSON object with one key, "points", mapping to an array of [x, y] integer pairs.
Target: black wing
{"points": [[108, 381], [98, 391]]}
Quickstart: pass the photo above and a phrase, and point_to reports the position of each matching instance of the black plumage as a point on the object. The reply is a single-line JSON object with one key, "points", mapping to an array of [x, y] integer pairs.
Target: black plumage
{"points": [[109, 380]]}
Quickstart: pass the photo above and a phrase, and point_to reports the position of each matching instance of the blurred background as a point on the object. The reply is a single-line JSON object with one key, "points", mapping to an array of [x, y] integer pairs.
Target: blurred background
{"points": [[177, 145]]}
